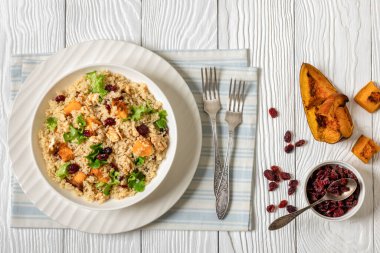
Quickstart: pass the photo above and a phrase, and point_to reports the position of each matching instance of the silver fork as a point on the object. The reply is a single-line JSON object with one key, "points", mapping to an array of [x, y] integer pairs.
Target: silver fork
{"points": [[211, 104], [233, 118]]}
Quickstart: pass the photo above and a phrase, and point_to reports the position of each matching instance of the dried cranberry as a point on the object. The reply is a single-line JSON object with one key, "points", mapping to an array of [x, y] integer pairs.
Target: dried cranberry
{"points": [[273, 186], [110, 87], [108, 107], [289, 148], [283, 203], [320, 182], [106, 150], [275, 168], [109, 122], [87, 133], [291, 209], [60, 98], [102, 157], [143, 130], [270, 175], [273, 112], [300, 143], [338, 212], [72, 168], [291, 190], [113, 166], [271, 208], [284, 175], [293, 183], [288, 136]]}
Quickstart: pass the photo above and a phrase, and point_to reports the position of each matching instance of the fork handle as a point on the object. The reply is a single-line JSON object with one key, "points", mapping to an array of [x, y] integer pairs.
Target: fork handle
{"points": [[218, 164], [223, 191]]}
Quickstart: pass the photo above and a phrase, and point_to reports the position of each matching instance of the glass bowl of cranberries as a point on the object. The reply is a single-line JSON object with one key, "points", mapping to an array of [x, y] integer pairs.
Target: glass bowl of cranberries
{"points": [[318, 181]]}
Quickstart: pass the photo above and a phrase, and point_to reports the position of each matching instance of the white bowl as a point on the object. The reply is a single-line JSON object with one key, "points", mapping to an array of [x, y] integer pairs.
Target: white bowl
{"points": [[353, 210], [39, 120]]}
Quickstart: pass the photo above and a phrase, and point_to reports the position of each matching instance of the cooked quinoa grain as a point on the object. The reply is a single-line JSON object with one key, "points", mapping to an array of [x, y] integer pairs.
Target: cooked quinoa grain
{"points": [[104, 137]]}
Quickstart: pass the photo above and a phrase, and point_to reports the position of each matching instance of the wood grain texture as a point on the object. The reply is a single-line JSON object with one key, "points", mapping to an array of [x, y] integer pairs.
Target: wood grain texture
{"points": [[91, 20], [36, 26], [171, 24], [98, 19], [75, 241], [24, 29], [179, 241], [266, 27], [375, 18], [334, 36], [5, 48]]}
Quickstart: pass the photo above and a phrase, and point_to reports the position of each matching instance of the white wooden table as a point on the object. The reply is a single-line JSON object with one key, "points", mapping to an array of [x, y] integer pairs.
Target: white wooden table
{"points": [[341, 37]]}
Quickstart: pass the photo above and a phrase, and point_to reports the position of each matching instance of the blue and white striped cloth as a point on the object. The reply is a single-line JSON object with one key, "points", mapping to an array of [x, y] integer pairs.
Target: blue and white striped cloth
{"points": [[196, 208]]}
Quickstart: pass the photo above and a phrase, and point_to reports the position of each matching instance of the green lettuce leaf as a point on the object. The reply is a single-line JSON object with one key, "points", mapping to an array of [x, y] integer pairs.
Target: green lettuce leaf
{"points": [[51, 123]]}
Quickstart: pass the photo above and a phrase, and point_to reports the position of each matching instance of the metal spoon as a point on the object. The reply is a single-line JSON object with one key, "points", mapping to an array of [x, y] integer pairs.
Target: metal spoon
{"points": [[284, 220]]}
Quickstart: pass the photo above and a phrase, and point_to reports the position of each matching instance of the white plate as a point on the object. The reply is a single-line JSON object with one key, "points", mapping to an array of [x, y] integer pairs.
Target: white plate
{"points": [[188, 143], [68, 79]]}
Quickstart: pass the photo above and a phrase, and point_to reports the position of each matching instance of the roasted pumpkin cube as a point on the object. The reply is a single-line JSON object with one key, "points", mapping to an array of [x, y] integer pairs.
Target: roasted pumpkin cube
{"points": [[365, 148], [369, 97], [72, 106], [99, 175], [65, 153], [78, 179], [121, 109], [93, 123], [142, 148]]}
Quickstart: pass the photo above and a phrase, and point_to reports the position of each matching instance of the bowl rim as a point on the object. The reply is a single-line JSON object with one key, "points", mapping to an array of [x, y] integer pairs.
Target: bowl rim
{"points": [[51, 87], [352, 211]]}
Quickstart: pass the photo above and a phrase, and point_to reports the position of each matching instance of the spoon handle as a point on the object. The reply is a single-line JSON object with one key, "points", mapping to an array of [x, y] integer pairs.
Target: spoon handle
{"points": [[284, 220]]}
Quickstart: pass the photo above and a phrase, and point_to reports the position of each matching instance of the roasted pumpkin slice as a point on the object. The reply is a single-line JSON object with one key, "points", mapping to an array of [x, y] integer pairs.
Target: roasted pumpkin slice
{"points": [[369, 97], [325, 108], [315, 87]]}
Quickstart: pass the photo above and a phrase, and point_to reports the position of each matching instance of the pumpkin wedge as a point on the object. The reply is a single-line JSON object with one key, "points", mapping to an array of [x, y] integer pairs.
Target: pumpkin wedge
{"points": [[325, 108]]}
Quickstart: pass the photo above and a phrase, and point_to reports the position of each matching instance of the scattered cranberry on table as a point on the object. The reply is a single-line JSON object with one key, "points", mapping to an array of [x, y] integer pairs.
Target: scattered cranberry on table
{"points": [[288, 136], [271, 208], [283, 203], [273, 112]]}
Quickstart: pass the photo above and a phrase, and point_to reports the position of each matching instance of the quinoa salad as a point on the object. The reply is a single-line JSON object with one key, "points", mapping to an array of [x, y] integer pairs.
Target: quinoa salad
{"points": [[104, 137]]}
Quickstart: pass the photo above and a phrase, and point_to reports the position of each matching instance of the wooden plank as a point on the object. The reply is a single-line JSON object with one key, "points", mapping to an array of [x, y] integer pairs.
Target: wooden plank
{"points": [[91, 20], [23, 29], [375, 10], [36, 26], [75, 241], [171, 24], [179, 241], [179, 25], [266, 27], [335, 36], [97, 19]]}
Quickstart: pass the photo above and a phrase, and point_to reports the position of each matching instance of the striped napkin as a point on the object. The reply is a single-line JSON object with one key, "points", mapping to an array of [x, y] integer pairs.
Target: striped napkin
{"points": [[196, 208]]}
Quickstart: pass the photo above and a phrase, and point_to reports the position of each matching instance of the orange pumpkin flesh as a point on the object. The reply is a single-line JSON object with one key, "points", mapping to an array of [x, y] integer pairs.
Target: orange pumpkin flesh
{"points": [[325, 108]]}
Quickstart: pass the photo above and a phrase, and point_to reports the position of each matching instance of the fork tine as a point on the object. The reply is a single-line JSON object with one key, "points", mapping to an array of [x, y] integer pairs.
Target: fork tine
{"points": [[234, 96], [206, 84], [211, 85], [242, 97], [213, 82], [238, 97], [229, 96], [203, 86], [216, 85]]}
